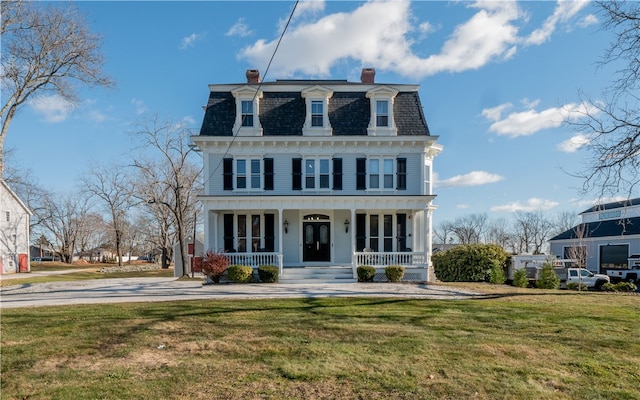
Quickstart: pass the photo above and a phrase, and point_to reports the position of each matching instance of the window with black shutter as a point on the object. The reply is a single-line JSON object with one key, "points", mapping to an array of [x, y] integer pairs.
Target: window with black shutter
{"points": [[337, 174], [227, 173], [401, 172], [269, 232], [268, 174], [296, 174], [361, 174], [361, 227], [228, 233]]}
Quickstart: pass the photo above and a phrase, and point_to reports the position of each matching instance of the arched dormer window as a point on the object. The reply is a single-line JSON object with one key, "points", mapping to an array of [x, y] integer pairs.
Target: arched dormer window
{"points": [[247, 111], [316, 122], [382, 122]]}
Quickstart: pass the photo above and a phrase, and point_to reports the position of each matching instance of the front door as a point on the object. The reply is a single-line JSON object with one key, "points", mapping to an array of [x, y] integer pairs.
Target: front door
{"points": [[316, 241]]}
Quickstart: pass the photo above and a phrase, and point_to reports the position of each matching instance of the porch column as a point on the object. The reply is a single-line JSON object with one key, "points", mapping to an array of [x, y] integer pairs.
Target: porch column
{"points": [[280, 238], [428, 249], [353, 242]]}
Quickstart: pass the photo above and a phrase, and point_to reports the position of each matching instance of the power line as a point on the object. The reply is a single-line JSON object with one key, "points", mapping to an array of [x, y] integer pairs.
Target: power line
{"points": [[275, 50]]}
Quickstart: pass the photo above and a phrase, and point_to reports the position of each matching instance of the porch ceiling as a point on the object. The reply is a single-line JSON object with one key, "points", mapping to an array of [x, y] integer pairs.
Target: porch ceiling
{"points": [[328, 202]]}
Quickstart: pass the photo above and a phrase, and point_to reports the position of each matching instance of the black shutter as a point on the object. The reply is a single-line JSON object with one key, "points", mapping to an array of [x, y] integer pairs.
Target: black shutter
{"points": [[227, 173], [269, 232], [337, 174], [268, 174], [228, 233], [361, 227], [401, 173], [361, 174], [296, 174], [402, 232]]}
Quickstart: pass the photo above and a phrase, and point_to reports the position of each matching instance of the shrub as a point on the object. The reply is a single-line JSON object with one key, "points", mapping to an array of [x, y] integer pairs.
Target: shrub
{"points": [[619, 287], [394, 273], [520, 278], [468, 263], [496, 275], [576, 286], [240, 273], [548, 278], [366, 273], [214, 265], [268, 273]]}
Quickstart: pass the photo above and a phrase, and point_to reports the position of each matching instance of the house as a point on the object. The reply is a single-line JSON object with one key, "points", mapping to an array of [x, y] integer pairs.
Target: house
{"points": [[607, 238], [14, 232], [318, 174]]}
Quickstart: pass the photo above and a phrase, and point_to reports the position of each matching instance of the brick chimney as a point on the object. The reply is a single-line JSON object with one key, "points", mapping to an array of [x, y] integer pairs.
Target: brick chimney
{"points": [[253, 76], [368, 75]]}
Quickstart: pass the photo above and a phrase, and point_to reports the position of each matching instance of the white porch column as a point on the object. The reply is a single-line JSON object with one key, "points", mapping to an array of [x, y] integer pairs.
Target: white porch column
{"points": [[428, 248], [353, 242], [280, 244]]}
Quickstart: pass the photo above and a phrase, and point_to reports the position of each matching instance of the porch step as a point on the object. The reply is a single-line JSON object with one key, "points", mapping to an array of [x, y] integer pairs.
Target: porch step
{"points": [[337, 274]]}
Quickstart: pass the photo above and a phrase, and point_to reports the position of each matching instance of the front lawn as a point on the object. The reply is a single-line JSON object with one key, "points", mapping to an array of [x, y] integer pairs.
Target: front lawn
{"points": [[524, 344]]}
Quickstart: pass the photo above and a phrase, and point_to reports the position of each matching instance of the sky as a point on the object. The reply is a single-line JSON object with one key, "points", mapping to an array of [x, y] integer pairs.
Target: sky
{"points": [[497, 79]]}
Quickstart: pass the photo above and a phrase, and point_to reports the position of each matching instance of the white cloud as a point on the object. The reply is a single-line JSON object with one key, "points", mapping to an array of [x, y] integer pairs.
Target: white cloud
{"points": [[588, 20], [474, 178], [533, 204], [240, 28], [189, 41], [564, 11], [462, 206], [574, 143], [53, 108], [141, 108], [530, 121]]}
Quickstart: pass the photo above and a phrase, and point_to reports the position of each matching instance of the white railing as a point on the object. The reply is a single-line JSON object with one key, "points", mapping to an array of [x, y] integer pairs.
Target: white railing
{"points": [[383, 259], [255, 259]]}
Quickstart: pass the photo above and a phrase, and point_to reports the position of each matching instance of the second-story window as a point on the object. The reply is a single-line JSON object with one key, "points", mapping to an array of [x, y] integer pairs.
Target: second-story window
{"points": [[316, 173], [247, 113], [381, 173], [248, 174]]}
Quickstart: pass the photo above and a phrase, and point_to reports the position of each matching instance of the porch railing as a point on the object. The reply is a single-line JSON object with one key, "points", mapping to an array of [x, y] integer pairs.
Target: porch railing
{"points": [[256, 259], [383, 259]]}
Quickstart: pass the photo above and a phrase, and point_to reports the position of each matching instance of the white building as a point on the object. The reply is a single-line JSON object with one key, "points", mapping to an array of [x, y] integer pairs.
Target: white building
{"points": [[14, 232], [318, 173]]}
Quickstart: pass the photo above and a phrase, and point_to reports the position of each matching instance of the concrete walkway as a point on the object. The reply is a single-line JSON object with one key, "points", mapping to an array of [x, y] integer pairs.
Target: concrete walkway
{"points": [[170, 289]]}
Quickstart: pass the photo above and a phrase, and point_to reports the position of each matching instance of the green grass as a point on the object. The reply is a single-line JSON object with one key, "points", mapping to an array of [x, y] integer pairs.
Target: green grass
{"points": [[522, 343]]}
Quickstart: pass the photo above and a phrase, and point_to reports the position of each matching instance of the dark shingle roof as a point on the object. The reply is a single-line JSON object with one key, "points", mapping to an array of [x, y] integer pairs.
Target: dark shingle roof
{"points": [[613, 205], [283, 114], [623, 227]]}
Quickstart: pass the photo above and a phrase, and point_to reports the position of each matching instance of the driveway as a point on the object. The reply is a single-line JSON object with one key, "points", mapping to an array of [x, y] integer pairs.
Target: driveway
{"points": [[170, 289]]}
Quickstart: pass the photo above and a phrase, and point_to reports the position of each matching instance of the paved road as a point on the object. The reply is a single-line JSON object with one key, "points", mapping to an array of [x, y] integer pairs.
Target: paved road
{"points": [[166, 289]]}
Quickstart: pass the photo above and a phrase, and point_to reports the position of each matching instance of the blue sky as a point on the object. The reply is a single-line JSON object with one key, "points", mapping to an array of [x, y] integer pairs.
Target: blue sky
{"points": [[497, 78]]}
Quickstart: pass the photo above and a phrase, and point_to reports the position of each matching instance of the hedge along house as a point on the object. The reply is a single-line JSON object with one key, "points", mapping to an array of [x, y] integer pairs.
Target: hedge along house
{"points": [[323, 174], [607, 238]]}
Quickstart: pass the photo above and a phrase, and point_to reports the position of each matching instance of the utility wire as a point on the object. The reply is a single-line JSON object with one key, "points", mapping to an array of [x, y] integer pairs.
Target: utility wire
{"points": [[235, 134]]}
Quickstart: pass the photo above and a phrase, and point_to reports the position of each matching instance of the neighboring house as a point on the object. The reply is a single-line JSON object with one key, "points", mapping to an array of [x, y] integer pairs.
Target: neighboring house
{"points": [[318, 173], [609, 237], [177, 257], [14, 232]]}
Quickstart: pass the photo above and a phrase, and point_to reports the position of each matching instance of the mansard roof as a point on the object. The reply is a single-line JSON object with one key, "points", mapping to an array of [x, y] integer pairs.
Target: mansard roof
{"points": [[282, 109]]}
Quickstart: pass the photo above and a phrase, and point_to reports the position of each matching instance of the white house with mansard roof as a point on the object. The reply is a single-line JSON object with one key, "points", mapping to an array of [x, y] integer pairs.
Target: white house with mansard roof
{"points": [[322, 174]]}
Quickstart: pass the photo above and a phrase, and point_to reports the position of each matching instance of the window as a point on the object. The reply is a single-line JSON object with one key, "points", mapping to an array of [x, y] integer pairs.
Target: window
{"points": [[383, 173], [382, 113], [247, 113], [317, 115], [317, 173], [324, 174], [388, 232], [374, 174], [248, 174], [259, 234], [7, 216], [310, 174], [381, 232], [388, 174]]}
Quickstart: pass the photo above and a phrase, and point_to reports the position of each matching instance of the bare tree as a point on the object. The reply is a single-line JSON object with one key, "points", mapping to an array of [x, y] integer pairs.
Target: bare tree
{"points": [[498, 232], [470, 229], [46, 48], [91, 235], [171, 172], [532, 229], [110, 184], [563, 221], [66, 216], [612, 125], [443, 232]]}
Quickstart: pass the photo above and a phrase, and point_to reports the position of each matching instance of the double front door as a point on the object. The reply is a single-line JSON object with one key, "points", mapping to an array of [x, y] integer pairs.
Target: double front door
{"points": [[317, 241]]}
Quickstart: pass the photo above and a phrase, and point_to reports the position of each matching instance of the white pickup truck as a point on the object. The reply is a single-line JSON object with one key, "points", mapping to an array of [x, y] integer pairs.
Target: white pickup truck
{"points": [[624, 275], [568, 275]]}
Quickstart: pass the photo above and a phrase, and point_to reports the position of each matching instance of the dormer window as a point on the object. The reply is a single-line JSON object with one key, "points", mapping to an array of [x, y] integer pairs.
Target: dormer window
{"points": [[317, 106], [247, 111], [382, 122]]}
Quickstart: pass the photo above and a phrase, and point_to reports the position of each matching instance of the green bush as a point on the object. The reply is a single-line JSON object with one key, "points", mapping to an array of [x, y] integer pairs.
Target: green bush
{"points": [[468, 263], [240, 273], [394, 273], [548, 278], [366, 273], [619, 287], [520, 278], [576, 286], [496, 275], [268, 273]]}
